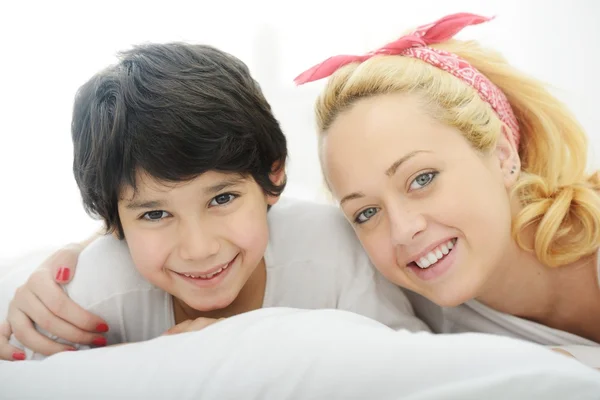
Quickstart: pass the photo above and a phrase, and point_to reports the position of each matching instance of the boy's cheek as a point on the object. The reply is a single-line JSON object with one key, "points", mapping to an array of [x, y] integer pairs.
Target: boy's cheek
{"points": [[149, 252]]}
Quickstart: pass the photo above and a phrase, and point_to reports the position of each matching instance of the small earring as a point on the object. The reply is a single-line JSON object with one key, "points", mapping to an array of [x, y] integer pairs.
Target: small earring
{"points": [[514, 168]]}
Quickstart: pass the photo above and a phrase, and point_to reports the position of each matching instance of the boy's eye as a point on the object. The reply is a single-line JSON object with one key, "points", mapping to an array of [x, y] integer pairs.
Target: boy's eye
{"points": [[155, 215], [365, 215], [222, 199], [422, 180]]}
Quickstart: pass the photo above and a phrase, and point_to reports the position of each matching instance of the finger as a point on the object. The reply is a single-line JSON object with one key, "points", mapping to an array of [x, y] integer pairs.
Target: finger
{"points": [[25, 332], [61, 273], [179, 328], [58, 303], [5, 330], [195, 325], [202, 323], [7, 351], [37, 311], [62, 263]]}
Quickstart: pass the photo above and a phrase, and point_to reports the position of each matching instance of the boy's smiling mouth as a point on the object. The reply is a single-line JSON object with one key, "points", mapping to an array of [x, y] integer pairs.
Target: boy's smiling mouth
{"points": [[209, 275]]}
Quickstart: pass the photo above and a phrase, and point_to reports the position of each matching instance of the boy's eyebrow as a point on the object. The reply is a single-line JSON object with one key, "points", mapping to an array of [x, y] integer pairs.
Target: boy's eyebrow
{"points": [[217, 187], [213, 189], [135, 205]]}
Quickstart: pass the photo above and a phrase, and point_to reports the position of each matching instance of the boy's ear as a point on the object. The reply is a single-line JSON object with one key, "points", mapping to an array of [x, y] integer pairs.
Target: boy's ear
{"points": [[277, 173], [278, 177]]}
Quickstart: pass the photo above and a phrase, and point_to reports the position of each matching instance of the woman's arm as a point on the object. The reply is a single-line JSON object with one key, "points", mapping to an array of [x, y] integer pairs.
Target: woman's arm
{"points": [[42, 301]]}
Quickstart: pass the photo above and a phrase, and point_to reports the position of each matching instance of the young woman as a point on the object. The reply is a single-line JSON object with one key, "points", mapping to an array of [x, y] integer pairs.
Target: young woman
{"points": [[465, 181]]}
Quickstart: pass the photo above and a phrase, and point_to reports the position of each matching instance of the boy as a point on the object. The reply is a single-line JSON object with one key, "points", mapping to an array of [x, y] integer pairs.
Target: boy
{"points": [[177, 150]]}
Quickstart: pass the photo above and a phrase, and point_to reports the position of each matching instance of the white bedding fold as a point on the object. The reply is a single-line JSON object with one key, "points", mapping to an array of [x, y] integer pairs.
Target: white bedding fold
{"points": [[281, 353]]}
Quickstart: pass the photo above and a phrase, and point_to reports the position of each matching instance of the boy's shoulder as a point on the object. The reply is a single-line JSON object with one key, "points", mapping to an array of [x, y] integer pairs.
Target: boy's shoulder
{"points": [[105, 269], [296, 215], [310, 229]]}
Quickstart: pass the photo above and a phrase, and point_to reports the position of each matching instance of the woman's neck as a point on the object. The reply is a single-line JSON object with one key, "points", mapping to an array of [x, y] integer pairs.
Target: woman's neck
{"points": [[250, 298], [520, 286], [524, 287]]}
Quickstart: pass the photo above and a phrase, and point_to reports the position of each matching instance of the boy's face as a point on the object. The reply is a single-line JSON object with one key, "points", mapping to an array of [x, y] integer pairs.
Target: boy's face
{"points": [[199, 240]]}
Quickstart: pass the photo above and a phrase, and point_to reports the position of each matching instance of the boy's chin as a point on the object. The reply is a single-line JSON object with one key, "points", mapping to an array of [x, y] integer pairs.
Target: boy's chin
{"points": [[212, 304]]}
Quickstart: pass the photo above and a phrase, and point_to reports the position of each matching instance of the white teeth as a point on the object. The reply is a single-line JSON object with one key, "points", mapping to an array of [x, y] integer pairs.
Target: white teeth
{"points": [[212, 274], [423, 263], [431, 257], [207, 276], [435, 255], [444, 249]]}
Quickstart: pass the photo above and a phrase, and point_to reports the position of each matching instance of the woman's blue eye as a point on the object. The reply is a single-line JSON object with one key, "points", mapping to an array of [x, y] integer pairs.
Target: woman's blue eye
{"points": [[222, 199], [155, 215], [365, 215], [422, 180]]}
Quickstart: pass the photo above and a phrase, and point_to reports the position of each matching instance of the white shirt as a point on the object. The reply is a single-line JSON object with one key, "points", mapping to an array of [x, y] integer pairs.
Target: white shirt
{"points": [[313, 261]]}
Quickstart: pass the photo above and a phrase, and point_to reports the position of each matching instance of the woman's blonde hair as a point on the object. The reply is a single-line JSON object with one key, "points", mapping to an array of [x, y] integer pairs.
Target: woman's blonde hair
{"points": [[560, 203]]}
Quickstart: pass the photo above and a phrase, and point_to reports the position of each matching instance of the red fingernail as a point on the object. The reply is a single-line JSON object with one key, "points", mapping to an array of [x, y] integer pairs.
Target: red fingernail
{"points": [[71, 349], [63, 274], [17, 355], [99, 341], [101, 328]]}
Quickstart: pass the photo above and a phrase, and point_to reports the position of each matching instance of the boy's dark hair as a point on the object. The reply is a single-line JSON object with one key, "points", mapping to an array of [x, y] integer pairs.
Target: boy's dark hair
{"points": [[174, 111]]}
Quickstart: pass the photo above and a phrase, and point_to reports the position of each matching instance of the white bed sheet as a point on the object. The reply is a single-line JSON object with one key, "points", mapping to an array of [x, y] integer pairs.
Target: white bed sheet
{"points": [[283, 353]]}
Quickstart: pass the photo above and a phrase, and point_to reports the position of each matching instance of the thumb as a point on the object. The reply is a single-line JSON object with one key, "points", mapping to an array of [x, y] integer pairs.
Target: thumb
{"points": [[63, 263]]}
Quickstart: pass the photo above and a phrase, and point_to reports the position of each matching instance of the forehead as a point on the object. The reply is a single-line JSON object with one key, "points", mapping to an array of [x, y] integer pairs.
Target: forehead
{"points": [[397, 119], [375, 132]]}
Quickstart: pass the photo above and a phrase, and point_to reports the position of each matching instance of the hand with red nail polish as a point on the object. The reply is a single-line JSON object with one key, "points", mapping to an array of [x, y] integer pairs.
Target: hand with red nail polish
{"points": [[8, 352], [42, 301], [99, 341], [63, 275]]}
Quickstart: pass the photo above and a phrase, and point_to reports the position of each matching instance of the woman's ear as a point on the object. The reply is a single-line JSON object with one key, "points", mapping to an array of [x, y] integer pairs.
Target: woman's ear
{"points": [[509, 161], [277, 176]]}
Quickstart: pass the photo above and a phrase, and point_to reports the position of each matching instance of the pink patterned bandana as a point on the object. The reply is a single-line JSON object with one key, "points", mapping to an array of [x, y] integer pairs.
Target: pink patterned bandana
{"points": [[415, 45]]}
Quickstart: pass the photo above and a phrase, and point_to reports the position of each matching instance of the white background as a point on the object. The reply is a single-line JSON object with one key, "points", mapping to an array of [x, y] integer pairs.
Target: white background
{"points": [[50, 48]]}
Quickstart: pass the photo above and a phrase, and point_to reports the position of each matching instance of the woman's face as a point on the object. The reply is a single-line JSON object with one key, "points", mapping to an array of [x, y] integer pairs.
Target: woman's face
{"points": [[433, 213]]}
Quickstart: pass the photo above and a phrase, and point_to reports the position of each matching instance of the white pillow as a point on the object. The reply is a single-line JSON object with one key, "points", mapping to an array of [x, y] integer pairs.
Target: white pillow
{"points": [[281, 353]]}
